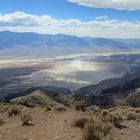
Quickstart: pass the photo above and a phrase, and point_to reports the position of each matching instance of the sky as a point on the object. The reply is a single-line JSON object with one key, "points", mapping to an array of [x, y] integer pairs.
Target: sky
{"points": [[94, 18]]}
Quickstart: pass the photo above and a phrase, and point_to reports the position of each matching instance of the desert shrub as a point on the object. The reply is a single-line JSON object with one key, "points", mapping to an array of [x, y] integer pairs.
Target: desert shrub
{"points": [[92, 130], [114, 119], [133, 116], [106, 117], [60, 108], [26, 120], [15, 110], [137, 110], [80, 105], [80, 122], [48, 108], [1, 122], [95, 128], [3, 108], [105, 113], [106, 127], [95, 109]]}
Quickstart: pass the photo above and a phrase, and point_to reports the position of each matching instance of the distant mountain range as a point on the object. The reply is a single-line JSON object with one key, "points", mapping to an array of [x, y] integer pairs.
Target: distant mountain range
{"points": [[13, 45], [12, 39]]}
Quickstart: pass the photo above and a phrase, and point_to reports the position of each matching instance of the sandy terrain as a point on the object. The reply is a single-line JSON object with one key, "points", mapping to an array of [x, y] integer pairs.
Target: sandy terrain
{"points": [[56, 125]]}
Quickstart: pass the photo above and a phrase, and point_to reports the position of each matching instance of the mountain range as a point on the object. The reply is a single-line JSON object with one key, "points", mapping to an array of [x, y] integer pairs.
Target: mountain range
{"points": [[12, 39]]}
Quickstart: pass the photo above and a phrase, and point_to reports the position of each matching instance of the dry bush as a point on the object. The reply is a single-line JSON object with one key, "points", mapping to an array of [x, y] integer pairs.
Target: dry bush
{"points": [[3, 108], [131, 116], [137, 110], [105, 113], [15, 110], [80, 105], [1, 122], [106, 117], [117, 120], [134, 116], [114, 119], [80, 122], [26, 120], [48, 108], [106, 127], [96, 129], [92, 130], [95, 109]]}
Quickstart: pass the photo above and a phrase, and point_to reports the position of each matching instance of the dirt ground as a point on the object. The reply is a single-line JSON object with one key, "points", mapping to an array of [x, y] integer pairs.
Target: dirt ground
{"points": [[56, 125]]}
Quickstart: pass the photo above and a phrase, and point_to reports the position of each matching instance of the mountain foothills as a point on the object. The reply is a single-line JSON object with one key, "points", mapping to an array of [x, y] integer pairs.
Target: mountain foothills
{"points": [[107, 93]]}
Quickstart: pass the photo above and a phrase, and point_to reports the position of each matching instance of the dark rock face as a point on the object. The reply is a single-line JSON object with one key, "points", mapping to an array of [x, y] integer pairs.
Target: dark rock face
{"points": [[102, 86], [114, 85], [133, 99], [111, 92]]}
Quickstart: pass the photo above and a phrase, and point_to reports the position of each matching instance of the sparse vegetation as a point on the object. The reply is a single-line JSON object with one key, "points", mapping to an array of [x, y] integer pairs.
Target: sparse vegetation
{"points": [[26, 120], [80, 105], [48, 108], [117, 120], [3, 108], [114, 119], [15, 110], [95, 109], [96, 129], [92, 130], [106, 127], [1, 122], [95, 123], [134, 116], [80, 122]]}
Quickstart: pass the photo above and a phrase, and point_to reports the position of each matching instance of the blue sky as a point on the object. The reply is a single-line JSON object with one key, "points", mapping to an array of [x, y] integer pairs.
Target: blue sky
{"points": [[85, 12], [65, 10]]}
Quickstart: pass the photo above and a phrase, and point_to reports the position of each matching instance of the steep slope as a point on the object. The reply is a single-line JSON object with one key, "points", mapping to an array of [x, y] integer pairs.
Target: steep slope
{"points": [[111, 92], [133, 99]]}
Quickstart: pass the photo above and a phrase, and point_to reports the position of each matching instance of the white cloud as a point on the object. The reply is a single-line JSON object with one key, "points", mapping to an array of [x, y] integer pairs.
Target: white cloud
{"points": [[98, 27], [102, 17], [115, 4]]}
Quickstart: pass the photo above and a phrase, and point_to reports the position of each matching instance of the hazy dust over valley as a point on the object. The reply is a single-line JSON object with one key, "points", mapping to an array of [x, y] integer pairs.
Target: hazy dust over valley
{"points": [[65, 71]]}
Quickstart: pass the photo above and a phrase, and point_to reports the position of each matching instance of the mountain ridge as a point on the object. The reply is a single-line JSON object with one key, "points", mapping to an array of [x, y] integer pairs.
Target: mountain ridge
{"points": [[11, 39], [107, 93]]}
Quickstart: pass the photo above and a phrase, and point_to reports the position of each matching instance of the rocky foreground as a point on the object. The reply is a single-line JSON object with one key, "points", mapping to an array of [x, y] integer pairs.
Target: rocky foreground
{"points": [[55, 121]]}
